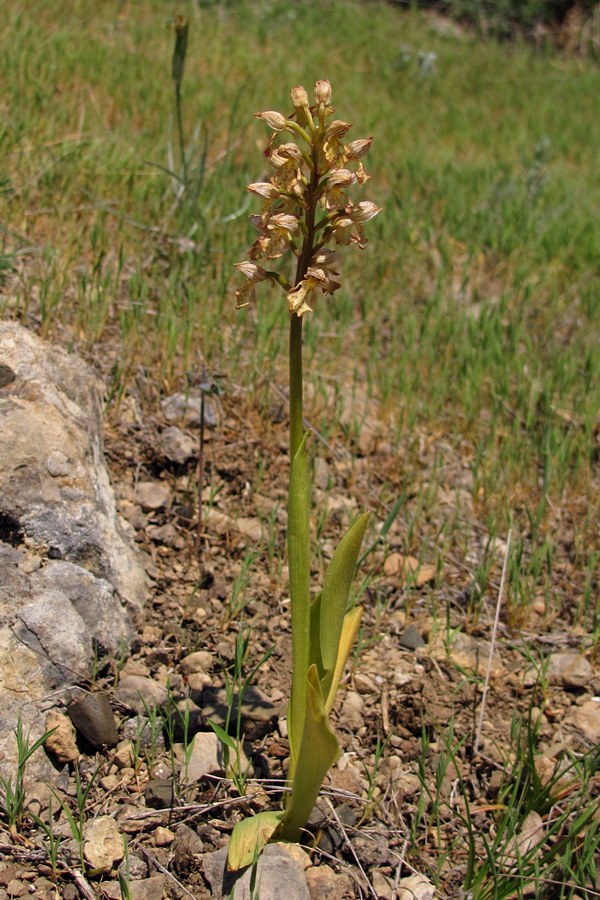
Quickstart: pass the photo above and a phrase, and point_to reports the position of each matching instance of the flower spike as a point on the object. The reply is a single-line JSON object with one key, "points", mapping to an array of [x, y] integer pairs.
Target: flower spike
{"points": [[315, 170]]}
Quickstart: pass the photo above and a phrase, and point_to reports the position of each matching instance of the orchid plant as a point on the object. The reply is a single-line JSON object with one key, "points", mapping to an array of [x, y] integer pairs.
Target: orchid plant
{"points": [[305, 210]]}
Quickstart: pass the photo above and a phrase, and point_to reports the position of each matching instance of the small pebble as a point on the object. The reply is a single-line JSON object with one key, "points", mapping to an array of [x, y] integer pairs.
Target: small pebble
{"points": [[163, 837]]}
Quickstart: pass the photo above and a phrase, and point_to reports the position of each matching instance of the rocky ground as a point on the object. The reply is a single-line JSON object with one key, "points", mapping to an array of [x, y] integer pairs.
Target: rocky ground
{"points": [[145, 784]]}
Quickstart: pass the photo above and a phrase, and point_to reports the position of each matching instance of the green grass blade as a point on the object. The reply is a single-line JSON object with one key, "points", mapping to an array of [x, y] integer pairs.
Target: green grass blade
{"points": [[223, 736]]}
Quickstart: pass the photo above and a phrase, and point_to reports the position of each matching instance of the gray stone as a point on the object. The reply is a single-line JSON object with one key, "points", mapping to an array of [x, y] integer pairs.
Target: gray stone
{"points": [[52, 626], [186, 408], [144, 734], [197, 662], [259, 713], [570, 670], [134, 866], [587, 719], [152, 495], [186, 849], [206, 757], [93, 718], [152, 888], [280, 875], [141, 693], [177, 446], [95, 599], [160, 793], [411, 638], [372, 845], [53, 481]]}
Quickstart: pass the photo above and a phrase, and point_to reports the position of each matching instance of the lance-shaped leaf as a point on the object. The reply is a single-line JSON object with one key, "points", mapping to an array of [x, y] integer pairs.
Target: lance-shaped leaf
{"points": [[330, 683], [318, 750], [334, 596], [299, 566], [315, 639], [250, 836]]}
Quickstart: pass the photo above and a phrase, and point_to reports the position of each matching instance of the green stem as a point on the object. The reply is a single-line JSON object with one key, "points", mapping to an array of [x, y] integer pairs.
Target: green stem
{"points": [[180, 132], [299, 502], [296, 416]]}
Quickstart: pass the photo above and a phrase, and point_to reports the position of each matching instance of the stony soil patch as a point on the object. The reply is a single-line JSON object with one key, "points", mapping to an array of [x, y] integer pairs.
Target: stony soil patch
{"points": [[393, 805]]}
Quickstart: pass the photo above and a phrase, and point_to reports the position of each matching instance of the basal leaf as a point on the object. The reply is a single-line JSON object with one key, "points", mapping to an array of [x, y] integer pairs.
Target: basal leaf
{"points": [[331, 681], [315, 639], [318, 750], [250, 836], [336, 589]]}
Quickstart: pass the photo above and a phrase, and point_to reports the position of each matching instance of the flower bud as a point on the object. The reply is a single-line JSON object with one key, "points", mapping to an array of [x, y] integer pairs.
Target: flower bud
{"points": [[273, 119], [299, 96], [252, 271], [323, 93], [337, 129], [179, 53], [356, 149], [264, 189], [363, 211]]}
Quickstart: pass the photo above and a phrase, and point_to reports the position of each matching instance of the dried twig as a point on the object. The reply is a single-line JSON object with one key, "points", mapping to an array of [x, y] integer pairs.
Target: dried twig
{"points": [[351, 848], [82, 886], [152, 859], [492, 644]]}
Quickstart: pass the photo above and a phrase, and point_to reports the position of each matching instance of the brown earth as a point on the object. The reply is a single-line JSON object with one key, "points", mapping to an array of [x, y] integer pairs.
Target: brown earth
{"points": [[407, 716]]}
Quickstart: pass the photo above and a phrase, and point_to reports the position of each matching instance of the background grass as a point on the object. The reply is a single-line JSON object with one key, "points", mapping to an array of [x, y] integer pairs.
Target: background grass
{"points": [[472, 313]]}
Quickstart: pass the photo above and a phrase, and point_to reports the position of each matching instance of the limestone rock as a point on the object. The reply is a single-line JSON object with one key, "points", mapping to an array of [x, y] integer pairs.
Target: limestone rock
{"points": [[415, 887], [152, 888], [186, 408], [187, 849], [69, 646], [197, 662], [102, 843], [152, 495], [69, 573], [94, 599], [570, 670], [587, 719], [258, 711], [324, 882], [61, 743], [467, 652], [177, 446], [54, 484], [206, 757], [141, 693]]}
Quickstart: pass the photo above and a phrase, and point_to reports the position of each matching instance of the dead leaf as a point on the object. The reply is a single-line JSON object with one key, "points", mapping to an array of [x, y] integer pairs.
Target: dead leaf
{"points": [[527, 839], [408, 570]]}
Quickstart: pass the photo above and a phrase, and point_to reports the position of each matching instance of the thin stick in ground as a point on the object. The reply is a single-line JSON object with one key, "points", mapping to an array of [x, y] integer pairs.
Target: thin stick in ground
{"points": [[492, 644]]}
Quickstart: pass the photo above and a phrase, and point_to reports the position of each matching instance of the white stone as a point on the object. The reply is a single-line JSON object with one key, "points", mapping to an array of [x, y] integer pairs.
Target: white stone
{"points": [[102, 843]]}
